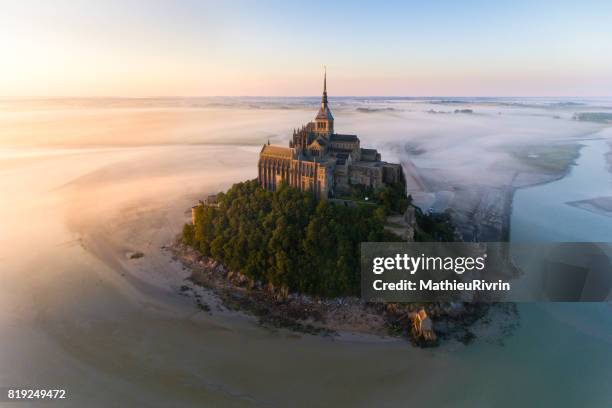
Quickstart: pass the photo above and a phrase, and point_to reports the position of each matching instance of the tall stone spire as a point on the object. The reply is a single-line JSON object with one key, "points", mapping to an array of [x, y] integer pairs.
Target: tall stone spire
{"points": [[324, 119], [324, 97]]}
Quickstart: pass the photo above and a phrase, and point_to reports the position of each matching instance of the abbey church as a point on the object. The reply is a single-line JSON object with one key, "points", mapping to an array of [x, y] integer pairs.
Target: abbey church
{"points": [[324, 162]]}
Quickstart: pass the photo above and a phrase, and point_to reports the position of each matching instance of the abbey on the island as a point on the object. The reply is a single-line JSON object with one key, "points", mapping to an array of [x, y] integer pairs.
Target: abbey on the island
{"points": [[324, 162]]}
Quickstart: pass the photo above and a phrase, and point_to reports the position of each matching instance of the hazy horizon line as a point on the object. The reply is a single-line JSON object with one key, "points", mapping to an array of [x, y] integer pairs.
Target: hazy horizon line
{"points": [[8, 97]]}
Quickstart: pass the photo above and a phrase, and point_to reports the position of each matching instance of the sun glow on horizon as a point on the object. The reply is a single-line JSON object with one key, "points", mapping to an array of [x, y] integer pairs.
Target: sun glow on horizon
{"points": [[189, 48]]}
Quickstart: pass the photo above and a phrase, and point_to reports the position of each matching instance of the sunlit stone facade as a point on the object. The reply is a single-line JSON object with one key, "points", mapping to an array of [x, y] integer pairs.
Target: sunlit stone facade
{"points": [[322, 161]]}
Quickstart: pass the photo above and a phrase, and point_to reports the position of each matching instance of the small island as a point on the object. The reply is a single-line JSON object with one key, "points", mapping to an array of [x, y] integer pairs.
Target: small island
{"points": [[286, 246], [293, 261]]}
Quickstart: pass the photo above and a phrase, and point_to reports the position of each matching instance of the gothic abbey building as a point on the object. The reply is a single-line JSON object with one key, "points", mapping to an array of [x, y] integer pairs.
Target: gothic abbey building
{"points": [[324, 162]]}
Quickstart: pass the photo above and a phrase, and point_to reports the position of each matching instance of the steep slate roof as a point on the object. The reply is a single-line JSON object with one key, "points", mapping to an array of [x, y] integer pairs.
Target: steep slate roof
{"points": [[320, 141], [324, 113], [276, 151], [344, 138]]}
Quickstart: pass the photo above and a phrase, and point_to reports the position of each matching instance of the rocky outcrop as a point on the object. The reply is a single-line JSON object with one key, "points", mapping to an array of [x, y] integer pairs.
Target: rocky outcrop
{"points": [[422, 328], [424, 324]]}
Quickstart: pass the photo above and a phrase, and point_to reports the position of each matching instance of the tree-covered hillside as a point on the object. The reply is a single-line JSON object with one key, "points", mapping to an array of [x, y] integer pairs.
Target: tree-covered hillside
{"points": [[287, 238], [290, 240]]}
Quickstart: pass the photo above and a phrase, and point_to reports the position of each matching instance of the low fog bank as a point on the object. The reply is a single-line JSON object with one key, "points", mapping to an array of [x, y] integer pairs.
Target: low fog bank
{"points": [[460, 147], [478, 147], [443, 130], [469, 156]]}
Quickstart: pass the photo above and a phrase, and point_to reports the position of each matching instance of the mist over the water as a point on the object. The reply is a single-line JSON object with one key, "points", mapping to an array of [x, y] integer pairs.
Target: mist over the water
{"points": [[464, 147]]}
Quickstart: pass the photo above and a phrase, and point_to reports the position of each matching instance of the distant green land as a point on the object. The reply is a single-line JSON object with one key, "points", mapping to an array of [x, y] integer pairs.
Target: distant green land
{"points": [[548, 158]]}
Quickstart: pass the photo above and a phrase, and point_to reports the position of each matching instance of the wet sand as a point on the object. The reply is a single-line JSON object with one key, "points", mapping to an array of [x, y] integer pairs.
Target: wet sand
{"points": [[599, 205], [90, 319]]}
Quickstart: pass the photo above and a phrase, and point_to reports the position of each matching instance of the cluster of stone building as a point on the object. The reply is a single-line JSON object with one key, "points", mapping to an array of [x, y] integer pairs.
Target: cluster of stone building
{"points": [[323, 162]]}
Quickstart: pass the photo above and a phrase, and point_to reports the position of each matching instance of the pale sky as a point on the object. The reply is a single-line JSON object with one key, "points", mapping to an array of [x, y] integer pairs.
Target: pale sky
{"points": [[138, 48]]}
